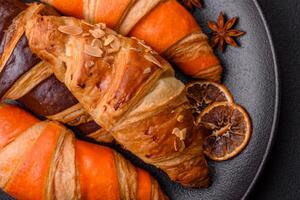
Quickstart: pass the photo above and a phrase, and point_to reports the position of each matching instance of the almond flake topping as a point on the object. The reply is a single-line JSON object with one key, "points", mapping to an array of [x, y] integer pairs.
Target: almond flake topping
{"points": [[180, 118], [89, 64], [181, 134], [182, 145], [110, 31], [109, 40], [86, 23], [153, 52], [152, 59], [140, 41], [134, 38], [93, 51], [134, 49], [101, 25], [96, 43], [70, 29], [116, 44], [97, 33], [144, 45], [147, 70]]}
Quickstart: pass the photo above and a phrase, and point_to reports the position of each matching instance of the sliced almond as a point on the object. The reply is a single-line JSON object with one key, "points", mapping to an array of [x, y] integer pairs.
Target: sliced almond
{"points": [[140, 41], [89, 64], [109, 40], [93, 51], [110, 31], [96, 43], [116, 44], [101, 25], [181, 134], [144, 45], [182, 145], [175, 145], [180, 118], [134, 49], [70, 29], [147, 70], [152, 59], [175, 131], [153, 52], [86, 23], [97, 33]]}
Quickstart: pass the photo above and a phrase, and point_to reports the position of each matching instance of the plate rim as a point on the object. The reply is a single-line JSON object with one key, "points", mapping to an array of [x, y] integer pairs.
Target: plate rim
{"points": [[276, 114], [275, 118]]}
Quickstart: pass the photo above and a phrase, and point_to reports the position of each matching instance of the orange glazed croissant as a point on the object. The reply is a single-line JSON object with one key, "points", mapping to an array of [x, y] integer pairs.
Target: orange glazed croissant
{"points": [[43, 160], [128, 90], [165, 25]]}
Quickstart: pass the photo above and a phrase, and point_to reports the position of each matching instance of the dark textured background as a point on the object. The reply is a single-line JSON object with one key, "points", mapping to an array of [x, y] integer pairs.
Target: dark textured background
{"points": [[281, 177]]}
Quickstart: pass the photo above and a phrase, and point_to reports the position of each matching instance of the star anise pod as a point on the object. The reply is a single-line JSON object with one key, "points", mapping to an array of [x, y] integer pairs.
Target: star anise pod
{"points": [[190, 4], [223, 33]]}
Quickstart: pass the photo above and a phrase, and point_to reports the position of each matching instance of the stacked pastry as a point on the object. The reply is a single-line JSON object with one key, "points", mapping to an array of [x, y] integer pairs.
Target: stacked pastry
{"points": [[90, 77]]}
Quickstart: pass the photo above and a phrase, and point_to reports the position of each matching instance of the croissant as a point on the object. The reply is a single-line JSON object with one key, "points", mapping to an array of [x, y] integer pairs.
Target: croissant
{"points": [[43, 160], [25, 78], [165, 25], [128, 89]]}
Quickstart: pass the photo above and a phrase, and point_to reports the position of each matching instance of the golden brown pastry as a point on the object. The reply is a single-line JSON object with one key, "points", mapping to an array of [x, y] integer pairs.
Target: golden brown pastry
{"points": [[128, 89]]}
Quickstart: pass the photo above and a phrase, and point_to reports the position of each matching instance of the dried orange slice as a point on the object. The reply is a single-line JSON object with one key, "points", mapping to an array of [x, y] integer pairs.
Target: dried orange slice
{"points": [[230, 129], [202, 93]]}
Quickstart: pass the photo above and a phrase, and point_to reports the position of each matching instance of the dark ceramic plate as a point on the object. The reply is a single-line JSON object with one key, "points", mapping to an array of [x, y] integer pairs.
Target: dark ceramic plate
{"points": [[251, 74]]}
